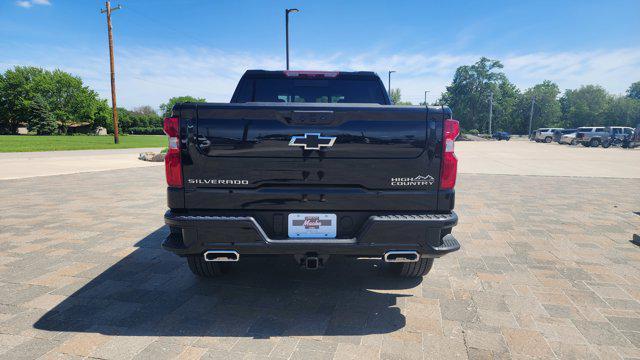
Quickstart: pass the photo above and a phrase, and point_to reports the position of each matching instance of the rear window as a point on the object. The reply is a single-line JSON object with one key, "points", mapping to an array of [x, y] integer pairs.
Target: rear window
{"points": [[599, 129], [584, 129], [311, 91]]}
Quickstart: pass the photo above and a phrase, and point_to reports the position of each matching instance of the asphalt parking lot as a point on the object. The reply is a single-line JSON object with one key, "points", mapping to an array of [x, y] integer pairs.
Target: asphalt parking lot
{"points": [[523, 157], [547, 269]]}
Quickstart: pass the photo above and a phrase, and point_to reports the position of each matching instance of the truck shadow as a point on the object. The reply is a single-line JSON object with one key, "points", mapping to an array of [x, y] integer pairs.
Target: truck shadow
{"points": [[152, 293]]}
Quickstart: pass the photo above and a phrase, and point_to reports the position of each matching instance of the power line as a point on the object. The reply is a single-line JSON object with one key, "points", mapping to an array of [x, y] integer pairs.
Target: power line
{"points": [[165, 25]]}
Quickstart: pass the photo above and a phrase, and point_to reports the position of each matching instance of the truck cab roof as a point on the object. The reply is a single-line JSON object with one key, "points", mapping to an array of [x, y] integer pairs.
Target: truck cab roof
{"points": [[283, 74], [304, 86]]}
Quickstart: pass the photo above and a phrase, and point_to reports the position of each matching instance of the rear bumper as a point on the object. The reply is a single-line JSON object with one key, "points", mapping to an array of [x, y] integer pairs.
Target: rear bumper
{"points": [[428, 234]]}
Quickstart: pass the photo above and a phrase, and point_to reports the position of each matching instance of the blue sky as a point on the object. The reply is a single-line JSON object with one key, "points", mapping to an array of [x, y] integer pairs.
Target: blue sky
{"points": [[200, 47]]}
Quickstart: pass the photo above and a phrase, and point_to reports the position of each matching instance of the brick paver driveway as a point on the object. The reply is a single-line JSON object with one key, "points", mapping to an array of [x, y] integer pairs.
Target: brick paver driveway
{"points": [[547, 269]]}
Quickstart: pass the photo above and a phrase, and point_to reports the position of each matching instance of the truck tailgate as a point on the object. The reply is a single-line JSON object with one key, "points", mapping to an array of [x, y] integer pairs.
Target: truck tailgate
{"points": [[252, 156]]}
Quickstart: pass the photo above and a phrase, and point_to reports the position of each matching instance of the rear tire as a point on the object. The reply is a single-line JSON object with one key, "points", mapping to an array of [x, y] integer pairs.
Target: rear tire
{"points": [[594, 143], [548, 139], [202, 268], [574, 142], [419, 268], [606, 144]]}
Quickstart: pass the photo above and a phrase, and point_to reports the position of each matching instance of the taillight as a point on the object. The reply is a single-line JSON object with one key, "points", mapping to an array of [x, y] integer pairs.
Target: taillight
{"points": [[449, 167], [172, 162]]}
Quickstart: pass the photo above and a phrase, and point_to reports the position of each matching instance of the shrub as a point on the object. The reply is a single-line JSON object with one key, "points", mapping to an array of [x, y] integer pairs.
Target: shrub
{"points": [[145, 130]]}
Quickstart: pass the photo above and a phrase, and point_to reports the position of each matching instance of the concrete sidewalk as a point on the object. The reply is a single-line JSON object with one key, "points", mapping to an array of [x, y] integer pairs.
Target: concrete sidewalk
{"points": [[32, 164]]}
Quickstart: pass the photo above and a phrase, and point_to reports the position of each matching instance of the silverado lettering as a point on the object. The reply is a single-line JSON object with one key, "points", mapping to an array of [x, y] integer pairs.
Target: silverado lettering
{"points": [[216, 181]]}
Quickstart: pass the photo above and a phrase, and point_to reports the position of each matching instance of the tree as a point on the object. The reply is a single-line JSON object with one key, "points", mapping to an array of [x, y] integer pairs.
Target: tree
{"points": [[144, 110], [634, 91], [468, 94], [396, 98], [585, 106], [136, 121], [40, 119], [65, 96], [547, 111], [623, 111], [70, 101], [103, 116], [505, 108], [166, 108], [17, 86]]}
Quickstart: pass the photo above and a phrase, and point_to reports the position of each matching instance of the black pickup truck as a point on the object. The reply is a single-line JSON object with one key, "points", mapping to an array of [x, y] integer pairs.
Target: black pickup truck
{"points": [[310, 164]]}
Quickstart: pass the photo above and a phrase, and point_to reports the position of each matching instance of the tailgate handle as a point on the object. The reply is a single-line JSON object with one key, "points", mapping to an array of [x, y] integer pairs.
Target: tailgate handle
{"points": [[302, 117]]}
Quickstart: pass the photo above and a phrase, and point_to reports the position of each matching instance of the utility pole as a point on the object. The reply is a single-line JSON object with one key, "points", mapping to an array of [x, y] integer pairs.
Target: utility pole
{"points": [[425, 98], [533, 101], [286, 16], [490, 110], [389, 83], [108, 10]]}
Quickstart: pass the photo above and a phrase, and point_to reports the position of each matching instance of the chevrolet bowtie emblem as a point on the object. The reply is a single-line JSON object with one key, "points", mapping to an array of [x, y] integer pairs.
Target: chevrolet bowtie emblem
{"points": [[312, 141]]}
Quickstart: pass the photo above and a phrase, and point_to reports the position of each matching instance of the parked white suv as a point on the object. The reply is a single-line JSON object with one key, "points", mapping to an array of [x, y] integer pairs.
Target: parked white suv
{"points": [[545, 134]]}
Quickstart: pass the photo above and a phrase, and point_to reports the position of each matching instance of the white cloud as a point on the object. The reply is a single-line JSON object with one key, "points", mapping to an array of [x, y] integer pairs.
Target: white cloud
{"points": [[24, 4], [150, 76], [29, 3]]}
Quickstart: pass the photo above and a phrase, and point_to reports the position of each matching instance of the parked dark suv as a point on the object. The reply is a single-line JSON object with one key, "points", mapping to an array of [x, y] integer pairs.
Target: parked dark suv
{"points": [[501, 135]]}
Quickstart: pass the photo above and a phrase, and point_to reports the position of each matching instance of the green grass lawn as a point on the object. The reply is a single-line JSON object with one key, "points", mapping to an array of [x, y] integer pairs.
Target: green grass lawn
{"points": [[24, 143]]}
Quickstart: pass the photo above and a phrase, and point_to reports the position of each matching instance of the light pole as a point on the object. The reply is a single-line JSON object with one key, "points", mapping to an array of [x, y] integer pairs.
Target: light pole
{"points": [[389, 83], [490, 110], [533, 101], [286, 15], [425, 97]]}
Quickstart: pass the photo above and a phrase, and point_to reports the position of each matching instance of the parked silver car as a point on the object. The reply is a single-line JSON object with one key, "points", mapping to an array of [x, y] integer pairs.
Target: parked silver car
{"points": [[591, 136], [569, 138], [545, 134]]}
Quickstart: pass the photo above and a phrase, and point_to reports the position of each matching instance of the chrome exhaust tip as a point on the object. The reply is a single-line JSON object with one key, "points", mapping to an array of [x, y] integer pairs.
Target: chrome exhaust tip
{"points": [[401, 256], [221, 255]]}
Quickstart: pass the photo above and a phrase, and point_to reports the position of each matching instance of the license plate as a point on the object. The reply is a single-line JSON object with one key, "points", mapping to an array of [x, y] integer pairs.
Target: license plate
{"points": [[312, 226]]}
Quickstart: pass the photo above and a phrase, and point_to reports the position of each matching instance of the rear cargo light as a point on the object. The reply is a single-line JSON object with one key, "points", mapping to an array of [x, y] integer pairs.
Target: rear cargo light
{"points": [[172, 161], [449, 168], [327, 74]]}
